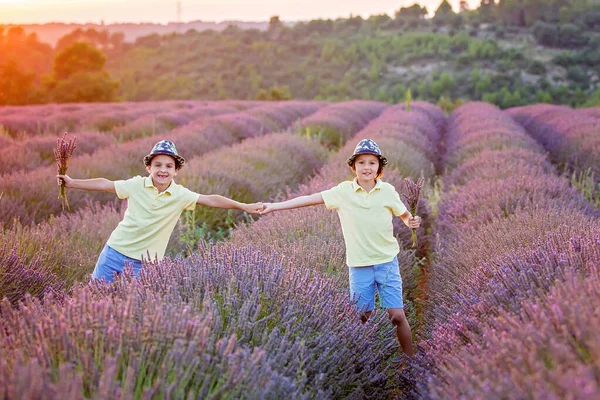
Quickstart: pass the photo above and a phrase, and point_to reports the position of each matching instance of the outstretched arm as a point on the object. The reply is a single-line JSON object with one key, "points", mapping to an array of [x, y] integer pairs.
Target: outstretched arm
{"points": [[302, 201], [217, 201], [95, 184]]}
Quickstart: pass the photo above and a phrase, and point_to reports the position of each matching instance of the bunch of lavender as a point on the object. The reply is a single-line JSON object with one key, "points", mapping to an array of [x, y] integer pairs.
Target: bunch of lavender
{"points": [[413, 194], [62, 154]]}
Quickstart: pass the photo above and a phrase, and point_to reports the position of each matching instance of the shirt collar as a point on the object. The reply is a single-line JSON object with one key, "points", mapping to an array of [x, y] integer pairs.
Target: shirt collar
{"points": [[357, 187], [148, 183]]}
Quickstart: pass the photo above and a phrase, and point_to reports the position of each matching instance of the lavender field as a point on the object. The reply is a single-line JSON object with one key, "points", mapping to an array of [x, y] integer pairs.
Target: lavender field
{"points": [[501, 292]]}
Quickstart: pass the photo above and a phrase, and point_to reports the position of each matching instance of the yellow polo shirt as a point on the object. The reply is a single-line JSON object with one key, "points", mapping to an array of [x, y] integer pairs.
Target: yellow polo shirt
{"points": [[366, 219], [150, 216]]}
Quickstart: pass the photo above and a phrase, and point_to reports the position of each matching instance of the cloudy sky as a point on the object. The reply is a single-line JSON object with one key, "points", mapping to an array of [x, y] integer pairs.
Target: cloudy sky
{"points": [[163, 11]]}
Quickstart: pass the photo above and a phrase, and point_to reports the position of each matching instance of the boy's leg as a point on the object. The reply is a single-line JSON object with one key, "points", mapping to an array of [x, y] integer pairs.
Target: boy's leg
{"points": [[137, 267], [389, 284], [362, 290], [110, 262], [403, 332]]}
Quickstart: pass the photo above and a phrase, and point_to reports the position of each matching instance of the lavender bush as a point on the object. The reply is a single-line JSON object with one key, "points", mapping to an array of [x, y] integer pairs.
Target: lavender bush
{"points": [[572, 137], [29, 195], [334, 124], [510, 232]]}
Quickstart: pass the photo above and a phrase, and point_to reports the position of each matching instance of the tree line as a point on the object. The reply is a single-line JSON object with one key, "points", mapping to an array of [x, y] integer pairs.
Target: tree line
{"points": [[447, 58]]}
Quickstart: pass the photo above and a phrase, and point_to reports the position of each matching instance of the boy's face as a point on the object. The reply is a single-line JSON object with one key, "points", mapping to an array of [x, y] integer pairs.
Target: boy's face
{"points": [[162, 169], [366, 167]]}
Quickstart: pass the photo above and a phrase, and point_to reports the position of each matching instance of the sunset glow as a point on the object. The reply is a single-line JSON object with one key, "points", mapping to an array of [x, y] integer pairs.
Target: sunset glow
{"points": [[111, 11]]}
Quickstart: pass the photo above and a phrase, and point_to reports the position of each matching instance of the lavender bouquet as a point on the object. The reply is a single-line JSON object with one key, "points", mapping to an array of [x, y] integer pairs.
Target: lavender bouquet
{"points": [[413, 194], [62, 155]]}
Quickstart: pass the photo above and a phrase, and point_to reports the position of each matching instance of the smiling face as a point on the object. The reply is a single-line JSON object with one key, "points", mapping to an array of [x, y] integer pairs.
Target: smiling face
{"points": [[162, 169], [366, 167]]}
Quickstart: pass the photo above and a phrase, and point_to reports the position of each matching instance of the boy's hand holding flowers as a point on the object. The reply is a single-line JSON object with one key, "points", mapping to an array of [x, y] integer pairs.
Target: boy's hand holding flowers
{"points": [[414, 222]]}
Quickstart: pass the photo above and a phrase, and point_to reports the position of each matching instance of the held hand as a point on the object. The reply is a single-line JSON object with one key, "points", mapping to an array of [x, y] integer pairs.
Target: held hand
{"points": [[64, 178], [414, 222], [254, 208], [268, 208]]}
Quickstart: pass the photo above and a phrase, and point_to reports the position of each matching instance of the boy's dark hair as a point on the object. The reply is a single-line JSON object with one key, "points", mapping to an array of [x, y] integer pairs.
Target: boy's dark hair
{"points": [[178, 164]]}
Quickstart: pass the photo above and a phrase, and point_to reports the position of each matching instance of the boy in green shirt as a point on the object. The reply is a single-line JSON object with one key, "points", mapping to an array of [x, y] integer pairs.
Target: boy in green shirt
{"points": [[365, 207], [154, 204]]}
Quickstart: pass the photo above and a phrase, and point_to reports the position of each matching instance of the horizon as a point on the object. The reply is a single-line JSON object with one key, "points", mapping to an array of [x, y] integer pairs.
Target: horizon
{"points": [[31, 12]]}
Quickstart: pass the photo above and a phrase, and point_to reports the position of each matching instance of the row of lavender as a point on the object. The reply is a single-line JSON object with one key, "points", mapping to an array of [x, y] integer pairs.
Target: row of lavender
{"points": [[247, 325], [61, 251], [513, 292], [33, 150], [121, 119], [409, 141], [30, 196], [571, 136], [311, 241]]}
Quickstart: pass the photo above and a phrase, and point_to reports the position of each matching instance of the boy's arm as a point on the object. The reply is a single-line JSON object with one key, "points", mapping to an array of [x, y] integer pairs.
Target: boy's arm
{"points": [[217, 201], [95, 184], [302, 201]]}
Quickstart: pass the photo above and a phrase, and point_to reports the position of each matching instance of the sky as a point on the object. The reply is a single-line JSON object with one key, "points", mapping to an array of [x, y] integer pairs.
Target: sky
{"points": [[164, 11]]}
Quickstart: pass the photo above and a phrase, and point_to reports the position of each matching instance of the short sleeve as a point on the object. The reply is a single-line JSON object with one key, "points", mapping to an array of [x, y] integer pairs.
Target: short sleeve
{"points": [[397, 206], [331, 197], [190, 199], [123, 188]]}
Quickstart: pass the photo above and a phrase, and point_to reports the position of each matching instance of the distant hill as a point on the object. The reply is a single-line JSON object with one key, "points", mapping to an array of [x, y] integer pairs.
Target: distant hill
{"points": [[504, 53], [51, 33]]}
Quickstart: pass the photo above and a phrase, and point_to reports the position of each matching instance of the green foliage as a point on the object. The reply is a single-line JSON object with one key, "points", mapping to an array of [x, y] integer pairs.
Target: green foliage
{"points": [[83, 87], [79, 57], [353, 58], [566, 36], [536, 68], [275, 93], [444, 9], [25, 50], [414, 11], [449, 105], [585, 182], [16, 87], [79, 76]]}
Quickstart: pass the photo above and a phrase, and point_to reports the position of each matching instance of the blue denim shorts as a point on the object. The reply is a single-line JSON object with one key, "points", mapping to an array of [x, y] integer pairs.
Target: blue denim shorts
{"points": [[111, 262], [385, 278]]}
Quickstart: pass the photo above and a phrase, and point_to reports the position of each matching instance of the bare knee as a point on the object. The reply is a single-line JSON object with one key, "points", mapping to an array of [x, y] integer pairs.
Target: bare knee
{"points": [[397, 316], [365, 317]]}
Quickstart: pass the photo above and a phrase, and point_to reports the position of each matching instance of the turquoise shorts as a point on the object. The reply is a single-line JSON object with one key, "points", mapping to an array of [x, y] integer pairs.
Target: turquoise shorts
{"points": [[383, 278], [111, 263]]}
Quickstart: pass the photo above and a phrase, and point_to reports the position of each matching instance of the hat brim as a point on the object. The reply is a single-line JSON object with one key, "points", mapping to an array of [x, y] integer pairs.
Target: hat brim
{"points": [[149, 157], [382, 159]]}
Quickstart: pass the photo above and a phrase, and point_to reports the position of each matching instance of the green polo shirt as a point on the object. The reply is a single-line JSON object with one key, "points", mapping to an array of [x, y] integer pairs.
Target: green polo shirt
{"points": [[366, 219], [150, 216]]}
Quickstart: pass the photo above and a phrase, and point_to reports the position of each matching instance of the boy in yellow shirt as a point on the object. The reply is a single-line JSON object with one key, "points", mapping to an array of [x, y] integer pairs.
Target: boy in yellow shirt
{"points": [[154, 204], [365, 207]]}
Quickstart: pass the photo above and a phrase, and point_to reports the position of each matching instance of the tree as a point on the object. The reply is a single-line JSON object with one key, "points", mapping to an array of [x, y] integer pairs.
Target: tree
{"points": [[487, 10], [80, 56], [444, 9], [414, 11], [79, 75], [275, 93], [86, 87], [276, 28], [16, 87], [444, 14]]}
